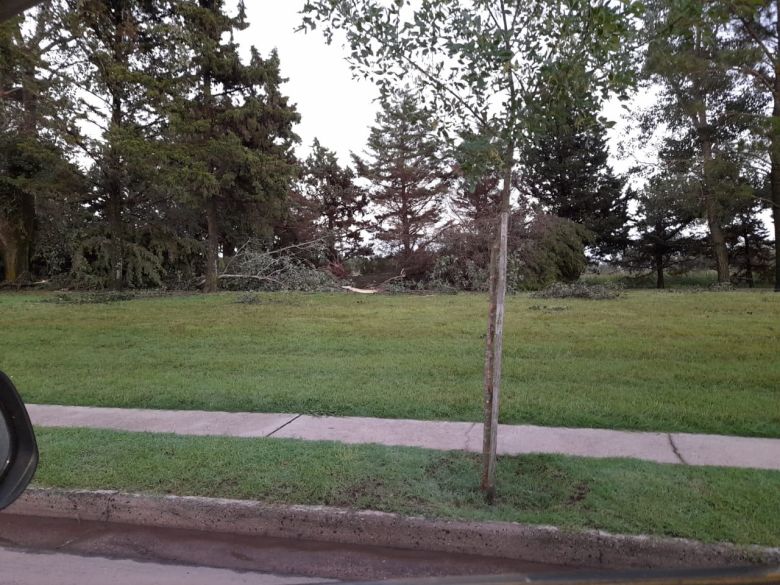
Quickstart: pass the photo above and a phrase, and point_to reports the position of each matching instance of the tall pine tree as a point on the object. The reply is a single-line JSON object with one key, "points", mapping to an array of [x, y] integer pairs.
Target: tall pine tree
{"points": [[704, 106], [34, 162], [566, 166], [125, 71], [408, 174], [333, 204], [234, 131]]}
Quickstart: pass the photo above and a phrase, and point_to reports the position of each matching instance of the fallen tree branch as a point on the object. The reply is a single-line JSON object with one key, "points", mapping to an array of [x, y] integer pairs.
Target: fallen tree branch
{"points": [[362, 291]]}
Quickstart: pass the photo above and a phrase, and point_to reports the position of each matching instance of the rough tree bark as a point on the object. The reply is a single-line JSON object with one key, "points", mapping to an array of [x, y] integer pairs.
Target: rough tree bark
{"points": [[498, 267], [718, 239], [495, 334], [212, 247], [659, 271], [748, 259], [774, 177], [16, 239]]}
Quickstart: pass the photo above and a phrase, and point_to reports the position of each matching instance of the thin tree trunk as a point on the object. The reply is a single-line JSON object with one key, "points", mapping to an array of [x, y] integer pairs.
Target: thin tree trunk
{"points": [[116, 228], [495, 335], [114, 193], [498, 269], [659, 271], [212, 245], [718, 245], [331, 249], [748, 258], [19, 229], [774, 176], [775, 186], [718, 239], [11, 259], [16, 240]]}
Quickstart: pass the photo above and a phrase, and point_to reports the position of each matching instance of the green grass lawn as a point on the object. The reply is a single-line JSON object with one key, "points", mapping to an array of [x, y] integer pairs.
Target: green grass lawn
{"points": [[620, 496], [706, 362]]}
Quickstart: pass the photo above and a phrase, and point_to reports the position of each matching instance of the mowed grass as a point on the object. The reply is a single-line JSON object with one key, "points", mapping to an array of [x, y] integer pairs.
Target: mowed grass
{"points": [[620, 496], [704, 362]]}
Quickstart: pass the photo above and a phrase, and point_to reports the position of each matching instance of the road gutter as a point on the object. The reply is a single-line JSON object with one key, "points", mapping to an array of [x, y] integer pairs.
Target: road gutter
{"points": [[541, 544]]}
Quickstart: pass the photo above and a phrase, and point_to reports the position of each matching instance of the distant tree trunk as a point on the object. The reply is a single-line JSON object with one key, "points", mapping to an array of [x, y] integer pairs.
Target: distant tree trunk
{"points": [[659, 270], [775, 183], [774, 150], [114, 199], [718, 241], [774, 176], [748, 254], [11, 257], [406, 228], [495, 334], [17, 232], [115, 226], [228, 247], [331, 250], [212, 247], [717, 237]]}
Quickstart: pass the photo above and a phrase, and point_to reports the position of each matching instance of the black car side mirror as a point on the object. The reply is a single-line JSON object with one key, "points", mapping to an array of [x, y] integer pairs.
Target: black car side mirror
{"points": [[18, 449]]}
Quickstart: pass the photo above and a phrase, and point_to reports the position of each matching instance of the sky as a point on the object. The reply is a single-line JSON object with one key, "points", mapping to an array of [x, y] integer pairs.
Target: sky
{"points": [[334, 107]]}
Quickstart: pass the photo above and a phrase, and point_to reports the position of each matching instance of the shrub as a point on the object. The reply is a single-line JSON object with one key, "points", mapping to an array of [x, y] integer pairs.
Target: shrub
{"points": [[90, 298], [578, 290]]}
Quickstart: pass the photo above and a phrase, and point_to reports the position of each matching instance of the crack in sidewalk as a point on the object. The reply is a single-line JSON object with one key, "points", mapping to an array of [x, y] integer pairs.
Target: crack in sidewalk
{"points": [[675, 449], [292, 420], [468, 436]]}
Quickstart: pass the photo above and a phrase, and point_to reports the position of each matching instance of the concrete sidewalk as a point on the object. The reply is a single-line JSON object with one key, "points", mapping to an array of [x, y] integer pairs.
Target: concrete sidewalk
{"points": [[684, 448]]}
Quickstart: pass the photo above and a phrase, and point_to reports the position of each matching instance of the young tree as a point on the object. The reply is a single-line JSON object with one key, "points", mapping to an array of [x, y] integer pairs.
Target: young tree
{"points": [[749, 246], [664, 219], [479, 65], [333, 203], [124, 69], [234, 130], [409, 177]]}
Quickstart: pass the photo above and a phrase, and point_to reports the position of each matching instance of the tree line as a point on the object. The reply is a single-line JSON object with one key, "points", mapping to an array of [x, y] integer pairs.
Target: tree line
{"points": [[139, 149]]}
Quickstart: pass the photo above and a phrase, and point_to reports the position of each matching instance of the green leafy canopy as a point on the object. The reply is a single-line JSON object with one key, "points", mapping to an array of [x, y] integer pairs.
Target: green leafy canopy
{"points": [[478, 65]]}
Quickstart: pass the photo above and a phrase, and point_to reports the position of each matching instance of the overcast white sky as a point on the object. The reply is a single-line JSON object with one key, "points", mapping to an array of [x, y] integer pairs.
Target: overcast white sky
{"points": [[334, 108]]}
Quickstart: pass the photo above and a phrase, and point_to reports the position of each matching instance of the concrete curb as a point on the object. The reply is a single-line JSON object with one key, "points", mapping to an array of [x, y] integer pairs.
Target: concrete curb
{"points": [[544, 544]]}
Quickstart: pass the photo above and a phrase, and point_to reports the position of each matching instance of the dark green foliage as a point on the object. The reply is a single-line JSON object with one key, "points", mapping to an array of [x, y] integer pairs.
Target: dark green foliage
{"points": [[232, 130], [34, 168], [125, 68], [708, 111], [566, 168], [552, 250], [663, 241], [749, 249], [753, 33], [331, 206]]}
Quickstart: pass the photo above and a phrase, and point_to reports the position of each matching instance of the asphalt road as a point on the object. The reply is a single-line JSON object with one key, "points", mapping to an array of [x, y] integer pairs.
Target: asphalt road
{"points": [[19, 567], [47, 550]]}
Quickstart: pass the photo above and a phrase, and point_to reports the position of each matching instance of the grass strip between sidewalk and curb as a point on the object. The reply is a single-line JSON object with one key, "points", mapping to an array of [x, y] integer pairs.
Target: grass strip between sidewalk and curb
{"points": [[620, 496]]}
